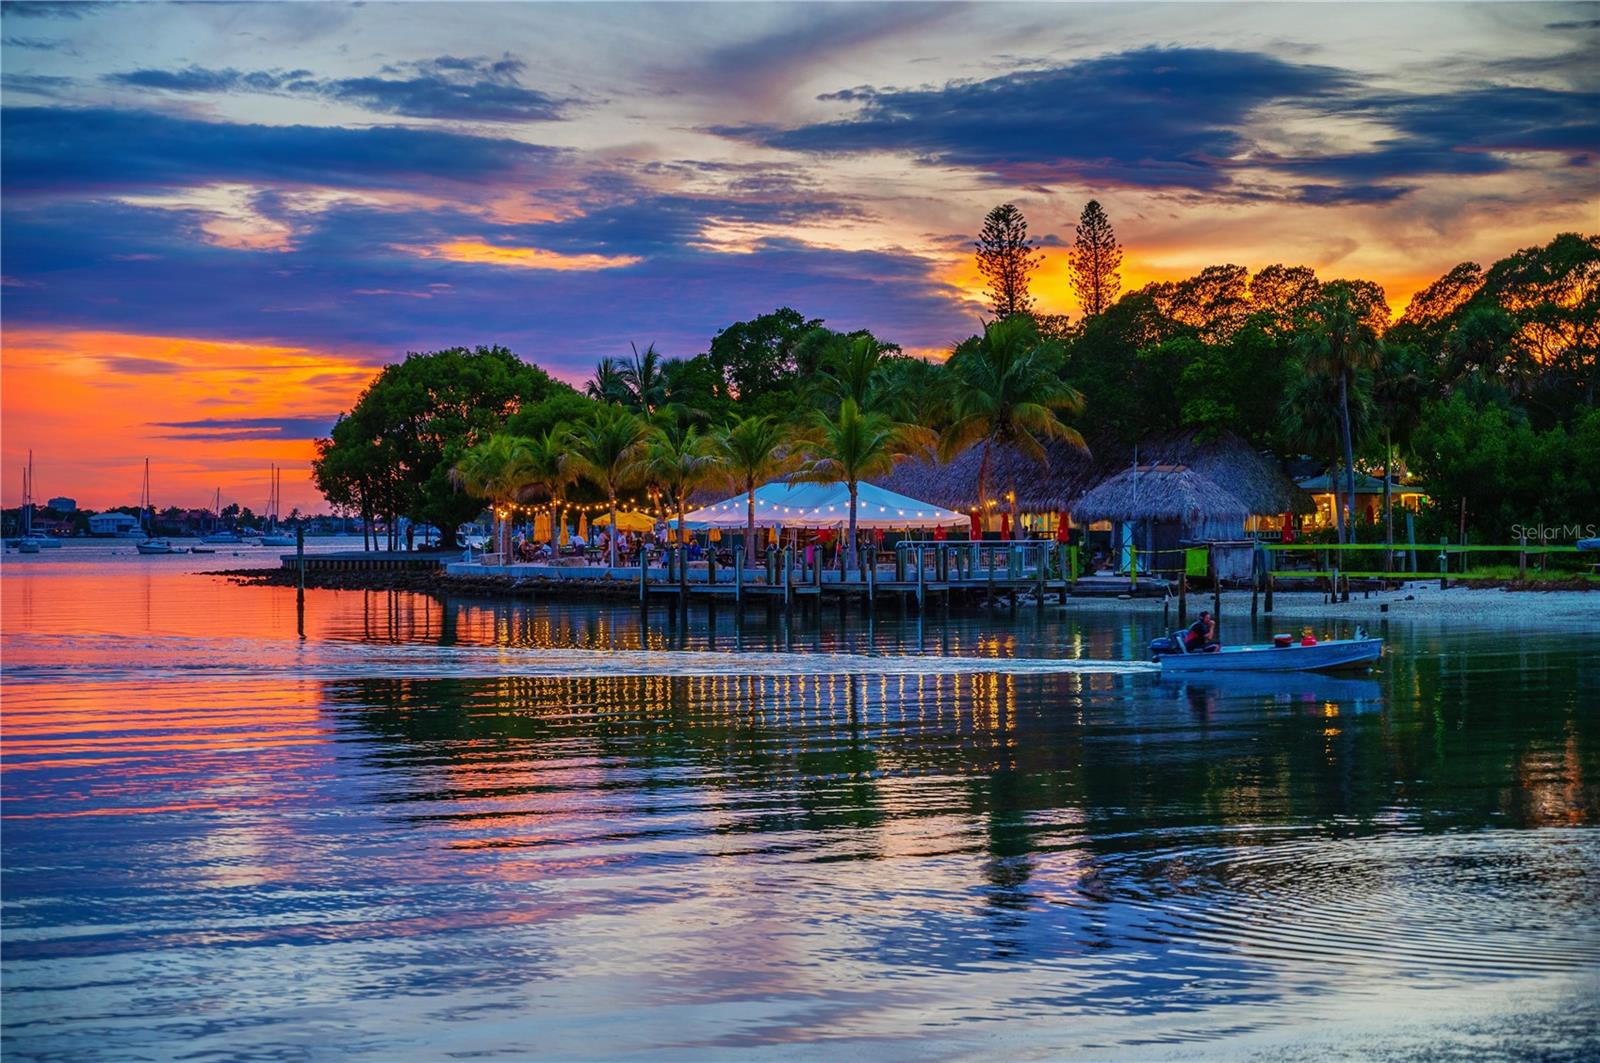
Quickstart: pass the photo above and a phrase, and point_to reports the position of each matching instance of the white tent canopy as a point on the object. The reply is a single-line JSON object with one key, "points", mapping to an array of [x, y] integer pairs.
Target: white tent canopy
{"points": [[784, 505]]}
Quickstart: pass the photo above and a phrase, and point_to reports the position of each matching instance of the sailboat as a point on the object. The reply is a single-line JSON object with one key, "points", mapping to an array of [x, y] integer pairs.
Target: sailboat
{"points": [[151, 545], [221, 534], [272, 536], [28, 542]]}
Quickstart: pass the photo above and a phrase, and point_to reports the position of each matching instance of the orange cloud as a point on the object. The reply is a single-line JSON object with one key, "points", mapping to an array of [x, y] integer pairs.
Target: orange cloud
{"points": [[518, 257], [93, 405]]}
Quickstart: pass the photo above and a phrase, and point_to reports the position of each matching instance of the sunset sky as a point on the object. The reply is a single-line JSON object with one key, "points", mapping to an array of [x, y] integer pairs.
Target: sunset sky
{"points": [[218, 218]]}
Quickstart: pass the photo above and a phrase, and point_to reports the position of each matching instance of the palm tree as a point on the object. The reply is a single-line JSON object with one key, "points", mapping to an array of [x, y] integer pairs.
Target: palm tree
{"points": [[608, 451], [852, 368], [678, 457], [550, 466], [1006, 389], [851, 447], [1336, 343], [498, 470], [753, 450], [607, 384], [1314, 409], [644, 381], [1400, 386]]}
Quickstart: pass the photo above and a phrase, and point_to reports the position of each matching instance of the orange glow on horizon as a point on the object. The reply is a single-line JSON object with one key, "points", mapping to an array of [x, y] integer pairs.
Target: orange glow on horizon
{"points": [[93, 405], [519, 257], [1051, 284]]}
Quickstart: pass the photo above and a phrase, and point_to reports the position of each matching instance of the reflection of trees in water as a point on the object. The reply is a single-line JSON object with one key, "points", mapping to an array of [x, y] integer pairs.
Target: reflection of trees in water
{"points": [[1060, 803]]}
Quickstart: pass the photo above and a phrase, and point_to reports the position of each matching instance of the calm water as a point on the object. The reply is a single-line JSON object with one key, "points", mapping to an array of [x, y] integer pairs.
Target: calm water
{"points": [[443, 829]]}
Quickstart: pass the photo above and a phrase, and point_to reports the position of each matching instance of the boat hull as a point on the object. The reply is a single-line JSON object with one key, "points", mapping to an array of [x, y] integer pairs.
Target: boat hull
{"points": [[1322, 657]]}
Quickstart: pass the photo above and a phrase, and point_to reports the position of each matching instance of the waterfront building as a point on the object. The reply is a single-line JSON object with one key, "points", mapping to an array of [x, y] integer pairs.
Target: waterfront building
{"points": [[113, 524]]}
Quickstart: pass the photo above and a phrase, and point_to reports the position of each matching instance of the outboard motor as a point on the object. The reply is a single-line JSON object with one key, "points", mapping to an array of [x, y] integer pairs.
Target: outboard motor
{"points": [[1166, 645]]}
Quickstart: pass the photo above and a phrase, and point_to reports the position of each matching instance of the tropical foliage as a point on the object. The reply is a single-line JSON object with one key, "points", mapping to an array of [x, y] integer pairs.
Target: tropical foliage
{"points": [[1484, 387]]}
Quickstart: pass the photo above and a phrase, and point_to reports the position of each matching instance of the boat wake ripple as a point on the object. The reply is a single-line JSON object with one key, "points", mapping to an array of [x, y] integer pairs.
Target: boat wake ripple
{"points": [[75, 658]]}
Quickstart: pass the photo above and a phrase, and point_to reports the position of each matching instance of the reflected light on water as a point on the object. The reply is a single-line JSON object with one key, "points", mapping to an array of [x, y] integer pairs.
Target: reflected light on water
{"points": [[461, 827]]}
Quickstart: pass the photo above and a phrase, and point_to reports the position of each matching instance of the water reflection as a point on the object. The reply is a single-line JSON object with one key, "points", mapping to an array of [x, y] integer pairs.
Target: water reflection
{"points": [[387, 842]]}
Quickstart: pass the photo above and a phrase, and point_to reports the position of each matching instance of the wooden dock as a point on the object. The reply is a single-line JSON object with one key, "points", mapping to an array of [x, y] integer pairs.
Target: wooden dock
{"points": [[919, 574]]}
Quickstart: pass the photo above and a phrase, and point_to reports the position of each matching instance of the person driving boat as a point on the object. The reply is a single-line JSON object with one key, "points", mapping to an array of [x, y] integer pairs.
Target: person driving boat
{"points": [[1202, 635]]}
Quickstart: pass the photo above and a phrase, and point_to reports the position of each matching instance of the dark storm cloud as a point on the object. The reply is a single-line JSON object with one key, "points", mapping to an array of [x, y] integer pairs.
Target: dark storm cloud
{"points": [[1333, 195], [130, 365], [669, 224], [32, 44], [88, 149], [70, 9], [1470, 132], [237, 428], [449, 87], [94, 264], [1159, 117], [1181, 118]]}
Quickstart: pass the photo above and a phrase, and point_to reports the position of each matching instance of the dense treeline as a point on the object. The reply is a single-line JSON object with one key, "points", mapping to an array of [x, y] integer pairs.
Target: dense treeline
{"points": [[1483, 388]]}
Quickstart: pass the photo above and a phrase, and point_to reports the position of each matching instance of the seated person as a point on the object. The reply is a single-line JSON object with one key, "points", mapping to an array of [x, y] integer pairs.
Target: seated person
{"points": [[1202, 635]]}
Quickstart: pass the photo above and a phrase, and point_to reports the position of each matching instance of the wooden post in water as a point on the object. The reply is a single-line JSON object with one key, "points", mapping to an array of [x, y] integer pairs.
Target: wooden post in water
{"points": [[644, 574], [1216, 581], [921, 585], [872, 583], [1444, 562], [683, 576], [1044, 569], [1268, 604], [738, 576], [1522, 558], [788, 581], [300, 564], [1183, 595]]}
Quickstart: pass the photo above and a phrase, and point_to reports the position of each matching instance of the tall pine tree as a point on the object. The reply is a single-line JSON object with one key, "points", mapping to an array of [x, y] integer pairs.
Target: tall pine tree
{"points": [[1005, 259], [1096, 256]]}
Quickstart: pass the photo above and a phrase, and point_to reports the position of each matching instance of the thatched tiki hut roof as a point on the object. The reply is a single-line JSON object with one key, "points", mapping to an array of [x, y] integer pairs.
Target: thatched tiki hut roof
{"points": [[1161, 493], [1046, 488], [1229, 462]]}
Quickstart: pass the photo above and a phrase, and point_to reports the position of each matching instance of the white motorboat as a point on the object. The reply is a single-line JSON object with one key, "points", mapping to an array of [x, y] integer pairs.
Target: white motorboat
{"points": [[158, 546], [273, 539], [1359, 652], [28, 546]]}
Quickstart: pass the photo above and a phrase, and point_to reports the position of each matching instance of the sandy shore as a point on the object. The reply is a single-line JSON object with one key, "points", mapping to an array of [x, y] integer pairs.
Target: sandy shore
{"points": [[1418, 600]]}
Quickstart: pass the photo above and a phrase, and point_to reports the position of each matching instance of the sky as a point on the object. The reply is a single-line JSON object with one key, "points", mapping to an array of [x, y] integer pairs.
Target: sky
{"points": [[217, 219]]}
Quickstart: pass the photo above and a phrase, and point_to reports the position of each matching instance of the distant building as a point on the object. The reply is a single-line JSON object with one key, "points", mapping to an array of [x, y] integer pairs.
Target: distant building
{"points": [[113, 524], [1369, 497], [63, 504]]}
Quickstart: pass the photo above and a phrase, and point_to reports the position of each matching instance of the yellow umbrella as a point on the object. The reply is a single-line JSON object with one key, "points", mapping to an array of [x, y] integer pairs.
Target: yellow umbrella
{"points": [[716, 535], [541, 527], [628, 522], [772, 534], [565, 535], [583, 525]]}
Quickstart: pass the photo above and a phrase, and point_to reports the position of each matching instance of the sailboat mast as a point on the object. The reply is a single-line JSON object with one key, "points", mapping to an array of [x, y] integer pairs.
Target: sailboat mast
{"points": [[27, 497]]}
